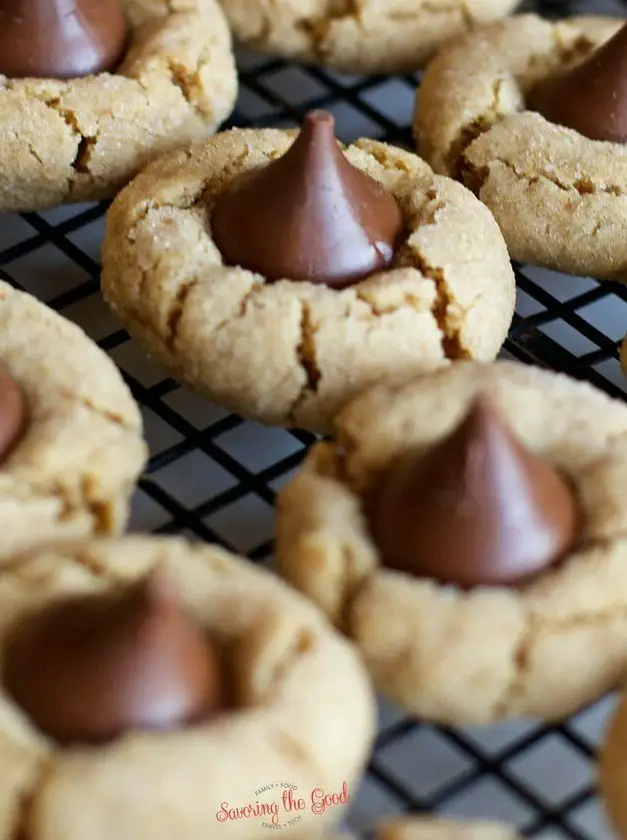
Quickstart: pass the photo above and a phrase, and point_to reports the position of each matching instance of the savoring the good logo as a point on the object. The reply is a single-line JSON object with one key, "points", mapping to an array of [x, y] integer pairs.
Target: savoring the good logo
{"points": [[281, 804]]}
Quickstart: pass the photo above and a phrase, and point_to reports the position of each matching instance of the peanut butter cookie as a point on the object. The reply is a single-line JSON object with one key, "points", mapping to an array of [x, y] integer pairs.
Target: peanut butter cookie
{"points": [[82, 139], [296, 712], [515, 606], [286, 351], [366, 36], [71, 445], [559, 197]]}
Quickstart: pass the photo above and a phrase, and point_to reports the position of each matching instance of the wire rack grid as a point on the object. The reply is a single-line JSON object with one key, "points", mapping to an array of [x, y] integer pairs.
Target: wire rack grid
{"points": [[213, 476]]}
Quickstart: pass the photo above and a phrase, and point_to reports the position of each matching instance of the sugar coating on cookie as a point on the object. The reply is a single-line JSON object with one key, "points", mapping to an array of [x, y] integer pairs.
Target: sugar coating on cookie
{"points": [[558, 196], [433, 648], [73, 467], [302, 712], [82, 139], [290, 353], [367, 36]]}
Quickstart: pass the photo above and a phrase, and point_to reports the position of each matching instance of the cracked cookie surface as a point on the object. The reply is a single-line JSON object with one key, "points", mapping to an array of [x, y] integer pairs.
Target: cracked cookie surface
{"points": [[73, 471], [560, 199], [84, 139], [543, 649], [358, 36], [305, 710], [290, 353]]}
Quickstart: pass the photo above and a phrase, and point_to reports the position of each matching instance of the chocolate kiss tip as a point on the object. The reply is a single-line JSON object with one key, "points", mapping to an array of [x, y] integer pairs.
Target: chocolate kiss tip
{"points": [[319, 117], [310, 215], [60, 39], [591, 96], [87, 668], [476, 509]]}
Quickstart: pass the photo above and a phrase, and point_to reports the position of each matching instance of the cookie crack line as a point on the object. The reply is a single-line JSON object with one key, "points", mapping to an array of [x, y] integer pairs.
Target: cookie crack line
{"points": [[535, 628], [474, 178], [317, 28], [86, 143], [301, 642], [70, 554], [176, 312], [451, 344], [178, 307], [82, 499], [493, 113], [306, 356], [435, 8], [520, 664], [472, 130], [184, 80], [107, 414]]}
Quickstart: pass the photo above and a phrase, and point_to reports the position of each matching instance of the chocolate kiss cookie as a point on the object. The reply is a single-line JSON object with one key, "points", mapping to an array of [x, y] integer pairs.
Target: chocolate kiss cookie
{"points": [[590, 97], [474, 492], [478, 508], [282, 351], [310, 215], [87, 668], [522, 132], [300, 705], [60, 39]]}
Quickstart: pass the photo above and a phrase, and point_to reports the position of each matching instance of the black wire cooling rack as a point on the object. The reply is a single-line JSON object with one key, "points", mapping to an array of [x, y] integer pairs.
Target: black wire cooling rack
{"points": [[213, 476]]}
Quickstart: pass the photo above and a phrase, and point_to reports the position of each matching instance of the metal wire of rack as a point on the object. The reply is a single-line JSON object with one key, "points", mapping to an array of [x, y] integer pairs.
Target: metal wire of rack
{"points": [[213, 476]]}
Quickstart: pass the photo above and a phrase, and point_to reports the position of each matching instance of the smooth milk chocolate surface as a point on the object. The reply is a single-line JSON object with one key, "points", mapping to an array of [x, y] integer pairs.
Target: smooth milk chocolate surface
{"points": [[476, 509], [60, 39], [87, 668], [309, 215]]}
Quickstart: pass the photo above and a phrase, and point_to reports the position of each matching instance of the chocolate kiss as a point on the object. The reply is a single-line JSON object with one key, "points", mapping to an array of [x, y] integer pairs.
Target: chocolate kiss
{"points": [[590, 97], [477, 509], [310, 215], [12, 413], [60, 39], [87, 668]]}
